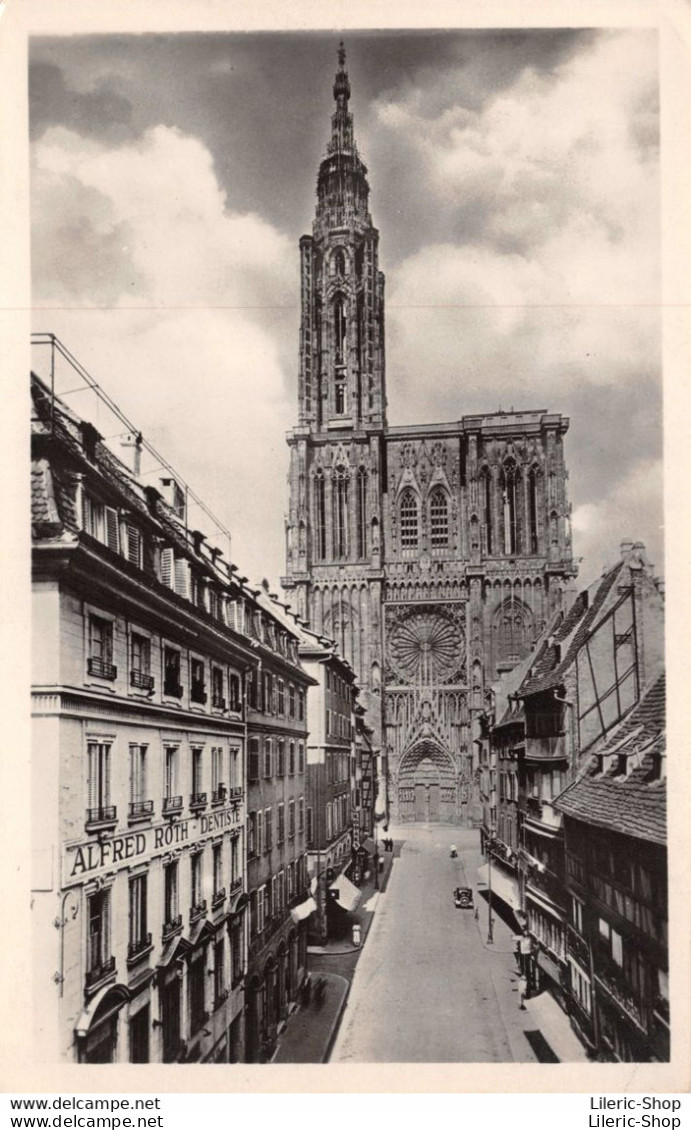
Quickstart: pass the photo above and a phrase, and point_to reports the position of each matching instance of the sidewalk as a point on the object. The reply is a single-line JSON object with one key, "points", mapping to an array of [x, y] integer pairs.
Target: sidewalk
{"points": [[311, 1030]]}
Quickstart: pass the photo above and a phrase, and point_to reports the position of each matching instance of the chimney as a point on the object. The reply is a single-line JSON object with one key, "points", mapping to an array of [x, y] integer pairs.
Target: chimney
{"points": [[174, 495], [625, 549], [131, 452]]}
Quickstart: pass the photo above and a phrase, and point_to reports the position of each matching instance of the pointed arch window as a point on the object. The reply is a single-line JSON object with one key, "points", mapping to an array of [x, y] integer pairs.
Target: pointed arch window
{"points": [[340, 512], [486, 501], [510, 477], [362, 512], [338, 262], [533, 482], [409, 520], [319, 516], [340, 329], [439, 518]]}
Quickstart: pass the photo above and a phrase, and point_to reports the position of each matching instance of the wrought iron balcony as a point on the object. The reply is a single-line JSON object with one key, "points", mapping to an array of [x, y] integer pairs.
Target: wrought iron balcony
{"points": [[102, 668], [219, 795], [105, 814], [236, 792], [173, 688], [171, 927], [99, 970], [137, 949], [236, 883], [198, 800], [141, 808], [198, 694], [141, 680], [198, 911], [219, 898], [218, 702], [171, 805]]}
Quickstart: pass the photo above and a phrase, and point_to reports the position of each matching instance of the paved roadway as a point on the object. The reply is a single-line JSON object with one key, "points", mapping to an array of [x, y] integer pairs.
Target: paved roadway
{"points": [[428, 989]]}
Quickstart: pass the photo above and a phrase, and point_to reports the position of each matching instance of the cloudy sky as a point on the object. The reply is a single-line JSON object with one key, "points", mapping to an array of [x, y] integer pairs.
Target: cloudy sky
{"points": [[515, 184]]}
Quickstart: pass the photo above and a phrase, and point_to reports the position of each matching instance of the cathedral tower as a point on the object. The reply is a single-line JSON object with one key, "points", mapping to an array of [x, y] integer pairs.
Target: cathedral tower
{"points": [[433, 554]]}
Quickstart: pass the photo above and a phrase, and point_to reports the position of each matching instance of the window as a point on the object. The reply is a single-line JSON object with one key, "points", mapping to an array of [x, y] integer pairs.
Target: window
{"points": [[267, 757], [170, 897], [340, 512], [251, 835], [140, 662], [217, 700], [486, 492], [139, 939], [409, 520], [259, 841], [291, 758], [301, 706], [281, 694], [139, 804], [100, 661], [172, 801], [237, 939], [102, 522], [577, 913], [133, 546], [290, 881], [281, 835], [234, 693], [219, 787], [99, 961], [100, 808], [580, 986], [171, 672], [329, 822], [198, 903], [291, 700], [533, 483], [268, 830], [218, 888], [320, 516], [362, 512], [262, 896], [268, 693], [253, 760], [235, 772], [197, 797], [280, 758], [291, 818], [301, 758], [197, 681], [196, 978], [234, 859], [439, 518], [220, 991], [510, 480]]}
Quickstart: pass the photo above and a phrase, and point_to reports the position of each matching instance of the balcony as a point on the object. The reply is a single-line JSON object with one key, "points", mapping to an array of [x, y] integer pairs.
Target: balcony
{"points": [[101, 668], [198, 694], [99, 971], [552, 748], [236, 792], [198, 800], [138, 949], [171, 927], [219, 898], [172, 805], [172, 688], [544, 813], [235, 884], [141, 680], [141, 809], [611, 978], [219, 795], [218, 702], [101, 817], [198, 911]]}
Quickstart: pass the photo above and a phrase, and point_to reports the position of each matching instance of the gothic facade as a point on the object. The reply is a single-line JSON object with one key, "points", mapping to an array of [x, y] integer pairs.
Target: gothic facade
{"points": [[432, 554]]}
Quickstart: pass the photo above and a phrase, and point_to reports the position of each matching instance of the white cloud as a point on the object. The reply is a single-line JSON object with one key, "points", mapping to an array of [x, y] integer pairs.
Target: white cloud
{"points": [[630, 512]]}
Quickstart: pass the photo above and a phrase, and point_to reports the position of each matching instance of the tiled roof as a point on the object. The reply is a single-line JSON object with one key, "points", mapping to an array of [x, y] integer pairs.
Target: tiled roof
{"points": [[634, 803], [558, 653]]}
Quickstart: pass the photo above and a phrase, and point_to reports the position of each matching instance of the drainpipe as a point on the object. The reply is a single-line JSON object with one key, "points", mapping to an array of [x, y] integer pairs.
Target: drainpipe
{"points": [[60, 923]]}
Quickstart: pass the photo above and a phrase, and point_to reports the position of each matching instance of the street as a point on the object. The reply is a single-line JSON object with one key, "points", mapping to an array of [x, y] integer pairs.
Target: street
{"points": [[428, 988]]}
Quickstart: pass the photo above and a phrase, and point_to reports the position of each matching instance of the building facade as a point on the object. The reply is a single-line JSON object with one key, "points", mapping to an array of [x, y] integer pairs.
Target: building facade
{"points": [[276, 804], [431, 554]]}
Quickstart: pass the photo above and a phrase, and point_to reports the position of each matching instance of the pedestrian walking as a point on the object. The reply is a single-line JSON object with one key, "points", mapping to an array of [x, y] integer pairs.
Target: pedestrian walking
{"points": [[522, 991]]}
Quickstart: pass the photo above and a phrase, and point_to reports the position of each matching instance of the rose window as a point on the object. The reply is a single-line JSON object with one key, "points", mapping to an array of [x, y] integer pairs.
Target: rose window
{"points": [[427, 647]]}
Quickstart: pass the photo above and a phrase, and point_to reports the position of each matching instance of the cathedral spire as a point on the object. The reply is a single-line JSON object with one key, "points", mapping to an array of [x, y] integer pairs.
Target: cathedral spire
{"points": [[342, 121]]}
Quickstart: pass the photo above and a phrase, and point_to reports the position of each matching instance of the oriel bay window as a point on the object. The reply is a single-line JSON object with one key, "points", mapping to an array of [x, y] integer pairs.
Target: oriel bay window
{"points": [[197, 681], [140, 804], [100, 661], [139, 937], [100, 810], [140, 663], [99, 961]]}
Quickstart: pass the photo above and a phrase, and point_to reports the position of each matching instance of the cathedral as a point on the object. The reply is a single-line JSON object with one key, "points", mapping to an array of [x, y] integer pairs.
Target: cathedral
{"points": [[432, 554]]}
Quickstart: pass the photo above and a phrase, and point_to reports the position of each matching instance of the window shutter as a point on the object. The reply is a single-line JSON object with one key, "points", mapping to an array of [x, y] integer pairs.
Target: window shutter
{"points": [[87, 521], [112, 530], [259, 843], [167, 564], [134, 546], [182, 577]]}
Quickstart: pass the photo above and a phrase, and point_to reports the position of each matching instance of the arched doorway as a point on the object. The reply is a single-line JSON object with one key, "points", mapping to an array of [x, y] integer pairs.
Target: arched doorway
{"points": [[427, 784]]}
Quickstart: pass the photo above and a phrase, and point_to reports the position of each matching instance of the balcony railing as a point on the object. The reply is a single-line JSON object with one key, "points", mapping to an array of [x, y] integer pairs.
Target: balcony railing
{"points": [[142, 680], [198, 694], [105, 814], [137, 949], [608, 973], [547, 748], [198, 911], [141, 808], [236, 883], [172, 688], [102, 668], [171, 927], [99, 970], [219, 898], [171, 805], [219, 795], [218, 702], [236, 792], [198, 800]]}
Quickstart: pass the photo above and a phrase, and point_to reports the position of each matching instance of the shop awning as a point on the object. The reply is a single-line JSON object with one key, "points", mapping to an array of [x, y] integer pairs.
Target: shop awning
{"points": [[556, 1029], [369, 845], [503, 886], [303, 910], [345, 893], [106, 1003]]}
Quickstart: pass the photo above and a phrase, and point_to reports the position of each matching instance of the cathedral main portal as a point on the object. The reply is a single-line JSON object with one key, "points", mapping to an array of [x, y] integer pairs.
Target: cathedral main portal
{"points": [[426, 709]]}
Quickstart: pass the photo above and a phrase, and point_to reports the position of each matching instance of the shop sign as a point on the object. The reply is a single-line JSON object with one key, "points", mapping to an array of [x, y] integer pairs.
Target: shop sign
{"points": [[356, 830], [91, 858]]}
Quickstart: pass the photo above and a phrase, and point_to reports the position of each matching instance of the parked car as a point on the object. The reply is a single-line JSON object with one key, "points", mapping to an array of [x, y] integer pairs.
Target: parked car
{"points": [[463, 898]]}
